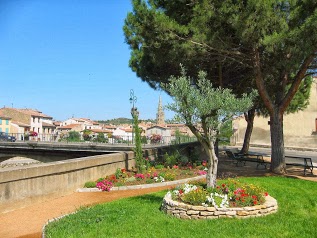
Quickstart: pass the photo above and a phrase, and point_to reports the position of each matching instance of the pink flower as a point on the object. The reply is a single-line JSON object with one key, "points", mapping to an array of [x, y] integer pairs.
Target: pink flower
{"points": [[201, 172]]}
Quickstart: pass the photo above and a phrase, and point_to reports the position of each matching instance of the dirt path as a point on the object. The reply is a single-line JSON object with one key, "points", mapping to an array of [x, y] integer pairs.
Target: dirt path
{"points": [[28, 221]]}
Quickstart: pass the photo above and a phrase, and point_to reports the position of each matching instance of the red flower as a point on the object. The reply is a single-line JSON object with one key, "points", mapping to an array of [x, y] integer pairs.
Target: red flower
{"points": [[180, 191], [255, 202], [266, 194], [223, 185]]}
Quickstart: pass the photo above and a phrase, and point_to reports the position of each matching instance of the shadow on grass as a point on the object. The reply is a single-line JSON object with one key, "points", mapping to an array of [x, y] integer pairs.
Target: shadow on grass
{"points": [[150, 198]]}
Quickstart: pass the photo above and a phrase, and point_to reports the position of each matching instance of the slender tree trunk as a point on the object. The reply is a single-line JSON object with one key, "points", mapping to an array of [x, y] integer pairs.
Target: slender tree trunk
{"points": [[277, 142], [247, 137], [212, 166]]}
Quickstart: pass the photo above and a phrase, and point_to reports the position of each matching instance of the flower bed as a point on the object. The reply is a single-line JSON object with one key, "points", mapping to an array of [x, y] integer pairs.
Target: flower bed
{"points": [[231, 198], [158, 175], [186, 211]]}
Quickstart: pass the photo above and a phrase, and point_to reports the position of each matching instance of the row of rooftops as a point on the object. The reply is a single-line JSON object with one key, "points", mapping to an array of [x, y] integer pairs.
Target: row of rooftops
{"points": [[17, 117]]}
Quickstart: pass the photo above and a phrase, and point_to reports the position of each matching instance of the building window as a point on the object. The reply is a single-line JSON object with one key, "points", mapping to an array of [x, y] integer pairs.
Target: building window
{"points": [[7, 130], [34, 119], [0, 121], [0, 129], [7, 122]]}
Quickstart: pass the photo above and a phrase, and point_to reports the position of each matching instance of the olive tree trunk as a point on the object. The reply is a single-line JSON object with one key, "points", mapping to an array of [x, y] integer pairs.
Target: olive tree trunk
{"points": [[211, 176]]}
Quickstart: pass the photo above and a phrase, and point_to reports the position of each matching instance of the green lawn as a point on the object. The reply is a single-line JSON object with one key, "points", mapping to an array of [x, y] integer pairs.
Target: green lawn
{"points": [[141, 217]]}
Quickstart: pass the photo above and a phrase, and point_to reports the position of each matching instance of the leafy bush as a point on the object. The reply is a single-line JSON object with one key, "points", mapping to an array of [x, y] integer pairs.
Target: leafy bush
{"points": [[118, 173], [101, 138], [159, 166], [73, 136], [170, 160], [90, 184], [130, 179]]}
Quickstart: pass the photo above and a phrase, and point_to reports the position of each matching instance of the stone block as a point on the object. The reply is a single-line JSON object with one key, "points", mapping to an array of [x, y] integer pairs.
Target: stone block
{"points": [[199, 208], [211, 209], [192, 212], [242, 213], [207, 213]]}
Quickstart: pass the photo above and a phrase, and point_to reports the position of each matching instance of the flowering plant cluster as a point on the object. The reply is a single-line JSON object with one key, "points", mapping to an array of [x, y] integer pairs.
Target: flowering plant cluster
{"points": [[104, 185], [139, 176], [155, 138], [202, 172], [32, 133], [230, 193]]}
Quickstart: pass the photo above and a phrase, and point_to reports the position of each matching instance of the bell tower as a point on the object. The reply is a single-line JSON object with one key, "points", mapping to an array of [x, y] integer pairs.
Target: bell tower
{"points": [[160, 120]]}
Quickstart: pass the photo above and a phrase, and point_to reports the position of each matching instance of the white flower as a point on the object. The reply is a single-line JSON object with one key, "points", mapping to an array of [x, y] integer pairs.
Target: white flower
{"points": [[224, 201]]}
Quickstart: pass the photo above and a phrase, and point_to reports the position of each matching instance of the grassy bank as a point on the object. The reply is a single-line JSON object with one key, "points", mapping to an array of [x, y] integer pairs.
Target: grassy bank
{"points": [[141, 217]]}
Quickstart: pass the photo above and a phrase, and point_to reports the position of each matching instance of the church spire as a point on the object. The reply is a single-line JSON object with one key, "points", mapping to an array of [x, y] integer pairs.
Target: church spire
{"points": [[160, 120]]}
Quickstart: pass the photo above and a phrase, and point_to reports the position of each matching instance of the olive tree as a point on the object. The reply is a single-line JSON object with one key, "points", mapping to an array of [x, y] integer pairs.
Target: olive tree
{"points": [[204, 109]]}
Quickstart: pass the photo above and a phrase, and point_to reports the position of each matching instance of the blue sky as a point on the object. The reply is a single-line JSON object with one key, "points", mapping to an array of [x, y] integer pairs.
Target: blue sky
{"points": [[68, 58]]}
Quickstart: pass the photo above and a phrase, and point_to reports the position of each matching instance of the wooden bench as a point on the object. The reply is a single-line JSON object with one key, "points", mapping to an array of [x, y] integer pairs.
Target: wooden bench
{"points": [[241, 159], [300, 161]]}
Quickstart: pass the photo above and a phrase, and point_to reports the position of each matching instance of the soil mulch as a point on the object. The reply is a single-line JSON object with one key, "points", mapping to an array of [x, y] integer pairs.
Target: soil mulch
{"points": [[29, 221]]}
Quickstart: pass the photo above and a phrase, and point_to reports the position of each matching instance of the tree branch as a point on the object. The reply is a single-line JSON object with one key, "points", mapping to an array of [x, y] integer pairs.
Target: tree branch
{"points": [[295, 85], [260, 82]]}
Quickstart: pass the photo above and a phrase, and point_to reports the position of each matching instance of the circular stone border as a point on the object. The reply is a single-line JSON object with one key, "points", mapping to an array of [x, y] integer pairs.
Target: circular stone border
{"points": [[186, 211]]}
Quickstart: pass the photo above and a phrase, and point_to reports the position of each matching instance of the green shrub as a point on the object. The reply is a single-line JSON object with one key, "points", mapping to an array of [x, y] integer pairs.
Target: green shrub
{"points": [[148, 181], [170, 160], [130, 179], [90, 184], [118, 173], [159, 166], [183, 160]]}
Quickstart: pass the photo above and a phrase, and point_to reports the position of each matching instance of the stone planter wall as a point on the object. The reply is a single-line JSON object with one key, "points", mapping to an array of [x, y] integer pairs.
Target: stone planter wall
{"points": [[185, 211]]}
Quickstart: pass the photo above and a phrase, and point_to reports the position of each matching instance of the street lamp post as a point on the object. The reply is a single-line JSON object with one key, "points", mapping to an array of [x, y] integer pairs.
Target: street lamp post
{"points": [[133, 100]]}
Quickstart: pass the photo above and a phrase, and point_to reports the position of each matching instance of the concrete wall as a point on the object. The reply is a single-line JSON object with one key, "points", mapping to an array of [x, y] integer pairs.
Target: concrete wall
{"points": [[299, 128], [22, 186]]}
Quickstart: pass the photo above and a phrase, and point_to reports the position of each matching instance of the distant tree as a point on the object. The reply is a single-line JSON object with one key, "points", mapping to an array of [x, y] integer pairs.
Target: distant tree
{"points": [[87, 135], [73, 136], [204, 109], [101, 138]]}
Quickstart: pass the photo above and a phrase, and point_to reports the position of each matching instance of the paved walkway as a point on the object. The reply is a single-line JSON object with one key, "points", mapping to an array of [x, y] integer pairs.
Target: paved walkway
{"points": [[28, 221]]}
